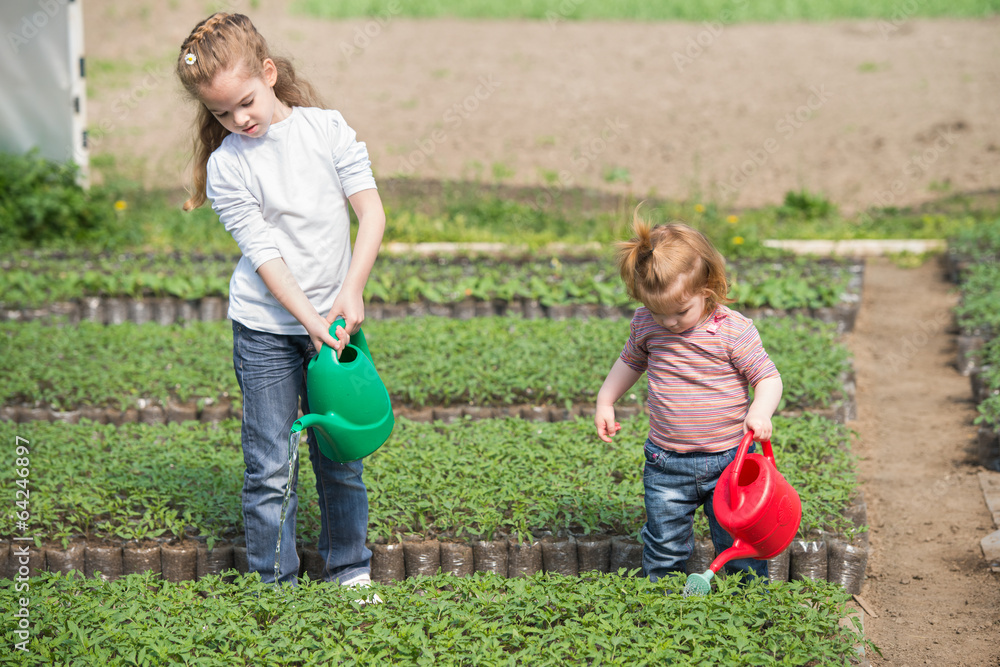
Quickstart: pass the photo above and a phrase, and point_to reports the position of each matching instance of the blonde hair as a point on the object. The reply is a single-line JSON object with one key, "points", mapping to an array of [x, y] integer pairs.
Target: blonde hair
{"points": [[219, 43], [664, 266]]}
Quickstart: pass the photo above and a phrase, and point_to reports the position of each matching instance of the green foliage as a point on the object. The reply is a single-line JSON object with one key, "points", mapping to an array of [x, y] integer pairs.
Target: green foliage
{"points": [[30, 280], [510, 476], [93, 364], [814, 455], [786, 284], [789, 284], [809, 357], [134, 481], [444, 620], [978, 313], [617, 175], [504, 360], [806, 205], [466, 479], [517, 220], [988, 358], [41, 202], [550, 281], [978, 243], [979, 310], [490, 218], [491, 361], [36, 278]]}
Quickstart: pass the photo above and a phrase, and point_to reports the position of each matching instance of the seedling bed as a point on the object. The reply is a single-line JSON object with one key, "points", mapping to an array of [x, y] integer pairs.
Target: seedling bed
{"points": [[454, 368], [831, 558], [182, 291], [212, 412], [484, 619], [972, 264], [169, 310], [491, 485]]}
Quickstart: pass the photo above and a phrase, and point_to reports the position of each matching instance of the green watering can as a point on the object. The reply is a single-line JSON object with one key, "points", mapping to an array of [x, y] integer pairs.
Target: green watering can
{"points": [[351, 412]]}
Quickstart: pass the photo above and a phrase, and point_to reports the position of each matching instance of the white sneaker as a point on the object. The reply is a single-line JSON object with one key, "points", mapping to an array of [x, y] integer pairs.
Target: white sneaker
{"points": [[362, 581]]}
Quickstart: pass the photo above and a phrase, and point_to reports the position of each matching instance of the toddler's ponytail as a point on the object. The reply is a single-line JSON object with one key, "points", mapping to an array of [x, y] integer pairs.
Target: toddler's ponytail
{"points": [[634, 254], [664, 265]]}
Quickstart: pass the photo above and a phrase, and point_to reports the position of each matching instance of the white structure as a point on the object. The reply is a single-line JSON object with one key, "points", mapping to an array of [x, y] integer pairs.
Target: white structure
{"points": [[43, 103]]}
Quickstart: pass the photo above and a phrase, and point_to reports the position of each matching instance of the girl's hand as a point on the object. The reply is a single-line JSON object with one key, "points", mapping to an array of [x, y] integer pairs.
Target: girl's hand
{"points": [[604, 419], [352, 309], [319, 331], [761, 427]]}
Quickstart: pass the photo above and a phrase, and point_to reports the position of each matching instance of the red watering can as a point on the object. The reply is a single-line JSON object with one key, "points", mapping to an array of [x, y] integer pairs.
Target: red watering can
{"points": [[755, 505]]}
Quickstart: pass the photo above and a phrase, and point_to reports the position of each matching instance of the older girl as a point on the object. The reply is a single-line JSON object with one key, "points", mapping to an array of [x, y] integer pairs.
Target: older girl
{"points": [[281, 172]]}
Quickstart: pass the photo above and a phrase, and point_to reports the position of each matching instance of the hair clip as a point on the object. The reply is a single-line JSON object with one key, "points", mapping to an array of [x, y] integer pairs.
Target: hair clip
{"points": [[190, 59]]}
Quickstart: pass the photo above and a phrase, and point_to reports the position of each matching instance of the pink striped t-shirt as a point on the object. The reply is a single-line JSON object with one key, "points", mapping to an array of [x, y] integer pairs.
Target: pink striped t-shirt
{"points": [[698, 379]]}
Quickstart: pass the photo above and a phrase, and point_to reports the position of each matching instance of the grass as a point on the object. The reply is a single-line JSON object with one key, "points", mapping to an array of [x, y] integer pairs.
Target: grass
{"points": [[419, 212], [555, 11]]}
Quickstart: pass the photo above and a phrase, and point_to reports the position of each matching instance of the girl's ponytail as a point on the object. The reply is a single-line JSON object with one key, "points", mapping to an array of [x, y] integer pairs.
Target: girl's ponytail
{"points": [[221, 42], [209, 135]]}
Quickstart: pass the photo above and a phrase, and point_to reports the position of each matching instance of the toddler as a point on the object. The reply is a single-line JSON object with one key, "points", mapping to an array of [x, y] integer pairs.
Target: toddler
{"points": [[700, 358]]}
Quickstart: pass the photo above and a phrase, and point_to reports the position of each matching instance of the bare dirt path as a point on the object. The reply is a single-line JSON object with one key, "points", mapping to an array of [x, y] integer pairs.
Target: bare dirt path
{"points": [[870, 113], [937, 602]]}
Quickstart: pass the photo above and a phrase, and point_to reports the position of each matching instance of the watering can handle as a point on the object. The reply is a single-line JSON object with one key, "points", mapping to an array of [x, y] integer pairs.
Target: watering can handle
{"points": [[357, 339], [339, 322], [741, 454]]}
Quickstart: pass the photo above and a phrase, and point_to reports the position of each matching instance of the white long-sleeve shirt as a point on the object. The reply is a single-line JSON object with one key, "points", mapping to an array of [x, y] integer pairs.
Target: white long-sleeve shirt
{"points": [[285, 195]]}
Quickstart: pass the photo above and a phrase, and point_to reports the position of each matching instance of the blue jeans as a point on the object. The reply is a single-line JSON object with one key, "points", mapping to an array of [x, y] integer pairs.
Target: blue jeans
{"points": [[675, 486], [271, 370]]}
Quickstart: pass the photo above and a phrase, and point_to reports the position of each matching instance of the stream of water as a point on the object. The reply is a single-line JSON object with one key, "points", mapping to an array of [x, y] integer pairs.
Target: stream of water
{"points": [[293, 459]]}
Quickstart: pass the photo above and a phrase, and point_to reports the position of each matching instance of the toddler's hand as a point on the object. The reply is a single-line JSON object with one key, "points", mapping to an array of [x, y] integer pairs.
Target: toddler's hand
{"points": [[761, 427], [604, 419]]}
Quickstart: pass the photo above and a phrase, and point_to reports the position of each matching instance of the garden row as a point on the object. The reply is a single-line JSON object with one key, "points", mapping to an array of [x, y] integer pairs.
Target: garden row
{"points": [[144, 494], [501, 495], [443, 369], [832, 558], [489, 497], [544, 620], [167, 289], [973, 264]]}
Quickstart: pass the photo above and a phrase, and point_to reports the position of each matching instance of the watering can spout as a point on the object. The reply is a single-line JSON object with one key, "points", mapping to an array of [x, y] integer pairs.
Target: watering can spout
{"points": [[740, 549], [311, 420]]}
